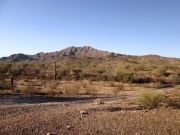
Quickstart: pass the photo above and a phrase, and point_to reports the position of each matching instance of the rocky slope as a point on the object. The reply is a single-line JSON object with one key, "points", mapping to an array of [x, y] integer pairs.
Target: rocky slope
{"points": [[70, 52], [88, 52], [79, 52]]}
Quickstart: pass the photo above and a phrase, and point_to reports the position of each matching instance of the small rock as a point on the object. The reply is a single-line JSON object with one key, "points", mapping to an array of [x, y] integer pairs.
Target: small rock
{"points": [[147, 110], [98, 102], [82, 112], [65, 104], [68, 127], [51, 133]]}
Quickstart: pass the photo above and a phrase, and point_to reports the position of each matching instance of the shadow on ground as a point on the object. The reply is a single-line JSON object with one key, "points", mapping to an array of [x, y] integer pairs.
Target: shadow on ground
{"points": [[34, 99]]}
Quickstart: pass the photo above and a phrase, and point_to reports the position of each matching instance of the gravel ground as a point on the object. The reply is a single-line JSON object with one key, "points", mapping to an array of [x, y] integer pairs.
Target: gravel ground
{"points": [[111, 118]]}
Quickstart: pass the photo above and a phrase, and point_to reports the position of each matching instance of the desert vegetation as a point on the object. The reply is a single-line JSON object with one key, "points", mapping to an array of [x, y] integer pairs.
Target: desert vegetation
{"points": [[109, 69], [131, 95]]}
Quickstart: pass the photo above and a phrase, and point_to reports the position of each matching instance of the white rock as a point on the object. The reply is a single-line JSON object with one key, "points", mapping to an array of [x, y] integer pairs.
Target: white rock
{"points": [[68, 127], [51, 133]]}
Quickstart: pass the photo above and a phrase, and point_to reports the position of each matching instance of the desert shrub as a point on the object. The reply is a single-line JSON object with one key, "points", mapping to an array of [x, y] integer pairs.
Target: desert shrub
{"points": [[89, 76], [118, 88], [42, 66], [30, 89], [150, 100], [115, 91], [89, 89], [157, 85], [162, 80], [5, 86], [172, 98], [4, 68], [24, 65], [62, 73], [111, 84], [161, 70], [109, 71], [17, 70], [142, 77], [71, 89], [52, 85], [139, 67], [85, 84], [126, 76], [51, 88], [174, 79]]}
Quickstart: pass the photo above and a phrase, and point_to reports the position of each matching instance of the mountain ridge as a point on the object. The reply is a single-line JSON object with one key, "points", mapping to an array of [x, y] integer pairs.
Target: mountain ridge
{"points": [[78, 52]]}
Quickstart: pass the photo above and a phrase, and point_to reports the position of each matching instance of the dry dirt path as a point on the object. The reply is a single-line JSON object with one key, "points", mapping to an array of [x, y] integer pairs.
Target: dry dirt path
{"points": [[111, 118]]}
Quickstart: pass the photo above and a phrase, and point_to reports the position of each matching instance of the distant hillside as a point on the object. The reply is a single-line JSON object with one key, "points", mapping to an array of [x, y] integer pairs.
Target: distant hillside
{"points": [[69, 52], [88, 52], [78, 52], [17, 58]]}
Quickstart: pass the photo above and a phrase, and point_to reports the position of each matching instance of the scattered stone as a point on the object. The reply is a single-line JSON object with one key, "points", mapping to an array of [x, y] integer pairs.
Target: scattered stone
{"points": [[82, 113], [146, 110], [65, 104], [51, 133], [68, 127], [98, 102]]}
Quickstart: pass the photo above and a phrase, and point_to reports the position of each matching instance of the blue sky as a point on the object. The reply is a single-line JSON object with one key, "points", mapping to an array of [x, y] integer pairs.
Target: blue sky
{"points": [[135, 27]]}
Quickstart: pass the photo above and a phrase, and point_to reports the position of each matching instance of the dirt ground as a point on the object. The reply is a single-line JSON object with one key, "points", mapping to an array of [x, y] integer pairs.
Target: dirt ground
{"points": [[114, 117], [61, 115]]}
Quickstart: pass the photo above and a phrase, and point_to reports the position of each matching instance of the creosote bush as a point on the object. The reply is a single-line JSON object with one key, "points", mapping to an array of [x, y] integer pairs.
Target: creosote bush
{"points": [[30, 89], [161, 70], [118, 88], [172, 98], [150, 100], [71, 89]]}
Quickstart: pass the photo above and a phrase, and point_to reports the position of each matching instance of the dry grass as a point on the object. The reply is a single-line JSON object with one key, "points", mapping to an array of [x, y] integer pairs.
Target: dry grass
{"points": [[29, 89], [89, 89], [118, 88], [52, 88], [172, 98], [151, 99], [71, 89], [77, 87]]}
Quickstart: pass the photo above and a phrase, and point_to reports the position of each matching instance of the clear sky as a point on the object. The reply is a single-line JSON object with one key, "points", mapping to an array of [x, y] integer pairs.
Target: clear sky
{"points": [[134, 27]]}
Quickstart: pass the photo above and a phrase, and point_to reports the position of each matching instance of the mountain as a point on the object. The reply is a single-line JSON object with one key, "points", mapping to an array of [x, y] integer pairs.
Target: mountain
{"points": [[16, 58], [88, 52], [70, 52]]}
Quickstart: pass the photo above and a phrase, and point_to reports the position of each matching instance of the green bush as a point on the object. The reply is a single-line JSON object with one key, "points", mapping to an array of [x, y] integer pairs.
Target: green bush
{"points": [[174, 79], [150, 100], [161, 70], [124, 76], [4, 68]]}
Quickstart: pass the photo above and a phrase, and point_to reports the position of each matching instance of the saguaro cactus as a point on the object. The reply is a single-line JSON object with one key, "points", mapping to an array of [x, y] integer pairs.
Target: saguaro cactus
{"points": [[55, 73], [12, 82]]}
